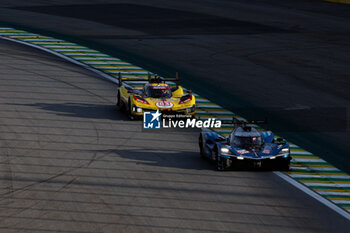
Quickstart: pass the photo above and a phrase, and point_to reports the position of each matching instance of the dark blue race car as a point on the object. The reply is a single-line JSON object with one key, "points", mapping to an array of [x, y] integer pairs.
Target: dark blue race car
{"points": [[246, 147]]}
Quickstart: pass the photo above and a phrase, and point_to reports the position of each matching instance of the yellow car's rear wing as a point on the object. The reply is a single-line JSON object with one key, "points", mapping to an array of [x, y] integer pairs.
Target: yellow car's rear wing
{"points": [[150, 79]]}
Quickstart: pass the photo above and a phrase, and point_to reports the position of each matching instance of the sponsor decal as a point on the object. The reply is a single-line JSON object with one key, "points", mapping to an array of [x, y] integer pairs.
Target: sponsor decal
{"points": [[140, 100], [159, 87], [186, 100], [266, 151], [242, 151], [163, 104]]}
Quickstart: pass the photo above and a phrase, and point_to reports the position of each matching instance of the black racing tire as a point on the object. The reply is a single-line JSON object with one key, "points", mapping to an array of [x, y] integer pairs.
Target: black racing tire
{"points": [[285, 166], [201, 148], [119, 102], [219, 162], [130, 115]]}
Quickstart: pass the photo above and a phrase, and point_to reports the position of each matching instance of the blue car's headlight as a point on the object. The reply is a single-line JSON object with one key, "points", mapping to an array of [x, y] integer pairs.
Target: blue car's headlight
{"points": [[285, 152], [225, 150]]}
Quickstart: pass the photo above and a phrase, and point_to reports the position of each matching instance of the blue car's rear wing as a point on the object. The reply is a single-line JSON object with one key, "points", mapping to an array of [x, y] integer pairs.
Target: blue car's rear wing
{"points": [[243, 123]]}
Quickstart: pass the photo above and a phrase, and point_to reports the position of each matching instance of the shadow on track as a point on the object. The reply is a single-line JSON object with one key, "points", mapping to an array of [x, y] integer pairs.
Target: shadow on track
{"points": [[162, 158], [177, 159], [91, 111]]}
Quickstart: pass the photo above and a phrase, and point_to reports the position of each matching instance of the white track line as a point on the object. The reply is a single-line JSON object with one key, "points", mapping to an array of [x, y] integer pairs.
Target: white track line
{"points": [[315, 168], [297, 152], [319, 176], [332, 184], [334, 193], [308, 160]]}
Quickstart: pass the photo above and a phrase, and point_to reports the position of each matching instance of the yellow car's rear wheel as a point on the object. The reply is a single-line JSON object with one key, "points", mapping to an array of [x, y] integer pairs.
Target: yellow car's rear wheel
{"points": [[119, 103]]}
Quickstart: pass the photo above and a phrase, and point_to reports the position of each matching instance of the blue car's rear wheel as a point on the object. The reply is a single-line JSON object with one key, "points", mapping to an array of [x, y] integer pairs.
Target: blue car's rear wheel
{"points": [[201, 146]]}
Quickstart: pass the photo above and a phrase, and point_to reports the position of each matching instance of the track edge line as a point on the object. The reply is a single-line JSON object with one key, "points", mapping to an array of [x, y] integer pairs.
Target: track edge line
{"points": [[106, 76], [314, 195]]}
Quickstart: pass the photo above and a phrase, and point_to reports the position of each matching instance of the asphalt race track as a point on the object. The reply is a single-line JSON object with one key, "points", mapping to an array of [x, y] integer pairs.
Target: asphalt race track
{"points": [[281, 57], [70, 162]]}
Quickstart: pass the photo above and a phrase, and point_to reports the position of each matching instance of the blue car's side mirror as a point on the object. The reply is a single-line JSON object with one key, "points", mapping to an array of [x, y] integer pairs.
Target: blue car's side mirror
{"points": [[279, 141], [220, 139]]}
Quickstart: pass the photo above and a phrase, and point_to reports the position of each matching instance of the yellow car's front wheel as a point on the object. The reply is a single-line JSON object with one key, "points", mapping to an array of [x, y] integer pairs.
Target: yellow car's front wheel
{"points": [[130, 112]]}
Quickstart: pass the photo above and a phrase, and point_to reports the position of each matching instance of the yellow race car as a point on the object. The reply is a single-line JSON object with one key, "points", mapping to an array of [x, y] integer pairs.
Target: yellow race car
{"points": [[155, 95]]}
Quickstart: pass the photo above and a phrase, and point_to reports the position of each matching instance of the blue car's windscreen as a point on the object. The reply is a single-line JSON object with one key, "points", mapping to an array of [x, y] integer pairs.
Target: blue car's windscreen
{"points": [[246, 141]]}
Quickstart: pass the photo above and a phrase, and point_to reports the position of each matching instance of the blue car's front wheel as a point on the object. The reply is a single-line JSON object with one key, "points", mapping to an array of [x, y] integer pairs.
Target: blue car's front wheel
{"points": [[284, 166], [221, 163]]}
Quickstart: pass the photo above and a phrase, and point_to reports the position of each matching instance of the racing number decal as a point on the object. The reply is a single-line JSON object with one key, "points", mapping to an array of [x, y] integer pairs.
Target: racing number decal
{"points": [[164, 104]]}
